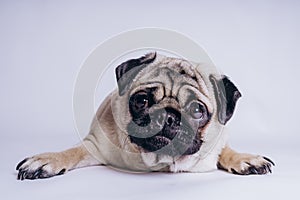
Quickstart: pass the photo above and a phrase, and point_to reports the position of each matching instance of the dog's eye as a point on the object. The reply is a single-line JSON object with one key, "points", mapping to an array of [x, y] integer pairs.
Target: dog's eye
{"points": [[141, 101], [196, 110]]}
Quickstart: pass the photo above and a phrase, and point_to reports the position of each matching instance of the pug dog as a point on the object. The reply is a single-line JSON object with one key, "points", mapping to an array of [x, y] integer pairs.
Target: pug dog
{"points": [[167, 115]]}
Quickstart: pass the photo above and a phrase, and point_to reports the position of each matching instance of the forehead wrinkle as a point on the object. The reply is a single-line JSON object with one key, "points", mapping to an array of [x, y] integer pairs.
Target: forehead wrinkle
{"points": [[172, 71], [202, 85], [170, 84], [146, 85], [173, 81], [192, 90], [168, 81], [180, 81]]}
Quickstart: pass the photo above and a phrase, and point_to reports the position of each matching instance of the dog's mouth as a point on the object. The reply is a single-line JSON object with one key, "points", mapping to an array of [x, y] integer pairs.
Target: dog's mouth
{"points": [[178, 142], [165, 131]]}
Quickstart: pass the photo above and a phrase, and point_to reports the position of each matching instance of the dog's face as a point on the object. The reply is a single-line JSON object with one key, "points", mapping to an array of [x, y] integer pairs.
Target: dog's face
{"points": [[169, 104], [168, 124]]}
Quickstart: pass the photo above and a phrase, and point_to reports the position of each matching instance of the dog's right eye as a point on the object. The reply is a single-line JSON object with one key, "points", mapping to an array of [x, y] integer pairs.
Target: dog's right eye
{"points": [[141, 101], [197, 111]]}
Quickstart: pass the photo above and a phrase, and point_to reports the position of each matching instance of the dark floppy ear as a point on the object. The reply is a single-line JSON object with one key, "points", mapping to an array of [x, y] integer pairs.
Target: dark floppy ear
{"points": [[226, 94], [126, 71]]}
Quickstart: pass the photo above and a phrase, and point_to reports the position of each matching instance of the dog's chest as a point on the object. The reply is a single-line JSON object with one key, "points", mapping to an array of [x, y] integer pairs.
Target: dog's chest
{"points": [[192, 163]]}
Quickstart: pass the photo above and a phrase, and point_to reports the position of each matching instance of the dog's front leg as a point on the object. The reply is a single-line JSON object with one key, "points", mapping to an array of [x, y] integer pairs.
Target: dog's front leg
{"points": [[51, 164], [243, 164]]}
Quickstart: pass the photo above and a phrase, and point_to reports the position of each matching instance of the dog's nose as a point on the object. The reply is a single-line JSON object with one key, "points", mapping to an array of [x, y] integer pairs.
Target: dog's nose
{"points": [[170, 119], [167, 116], [173, 117], [160, 118]]}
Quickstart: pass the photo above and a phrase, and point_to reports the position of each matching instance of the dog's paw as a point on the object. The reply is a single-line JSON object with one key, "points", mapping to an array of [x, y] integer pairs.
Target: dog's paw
{"points": [[41, 166], [246, 164]]}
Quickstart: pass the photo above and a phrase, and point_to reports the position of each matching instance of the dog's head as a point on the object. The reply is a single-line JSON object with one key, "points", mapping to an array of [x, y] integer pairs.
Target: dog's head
{"points": [[170, 103]]}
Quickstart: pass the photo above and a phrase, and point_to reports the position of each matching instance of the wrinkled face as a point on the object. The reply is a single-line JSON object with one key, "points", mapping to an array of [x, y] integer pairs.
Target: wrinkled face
{"points": [[169, 113], [170, 103]]}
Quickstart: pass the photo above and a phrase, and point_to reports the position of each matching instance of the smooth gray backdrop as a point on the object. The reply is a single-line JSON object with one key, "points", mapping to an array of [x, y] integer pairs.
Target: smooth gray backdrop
{"points": [[44, 43]]}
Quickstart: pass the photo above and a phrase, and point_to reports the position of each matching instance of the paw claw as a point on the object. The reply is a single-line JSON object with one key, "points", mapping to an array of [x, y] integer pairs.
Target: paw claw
{"points": [[21, 163], [253, 170], [251, 164], [269, 168], [37, 173], [269, 160], [34, 167], [21, 175], [235, 172], [62, 172]]}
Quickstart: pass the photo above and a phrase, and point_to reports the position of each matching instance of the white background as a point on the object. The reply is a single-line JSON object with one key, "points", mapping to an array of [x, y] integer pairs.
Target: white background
{"points": [[43, 44]]}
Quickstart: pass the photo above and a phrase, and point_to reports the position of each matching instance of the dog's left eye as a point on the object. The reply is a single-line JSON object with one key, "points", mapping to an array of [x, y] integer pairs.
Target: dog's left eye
{"points": [[196, 110], [141, 101]]}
